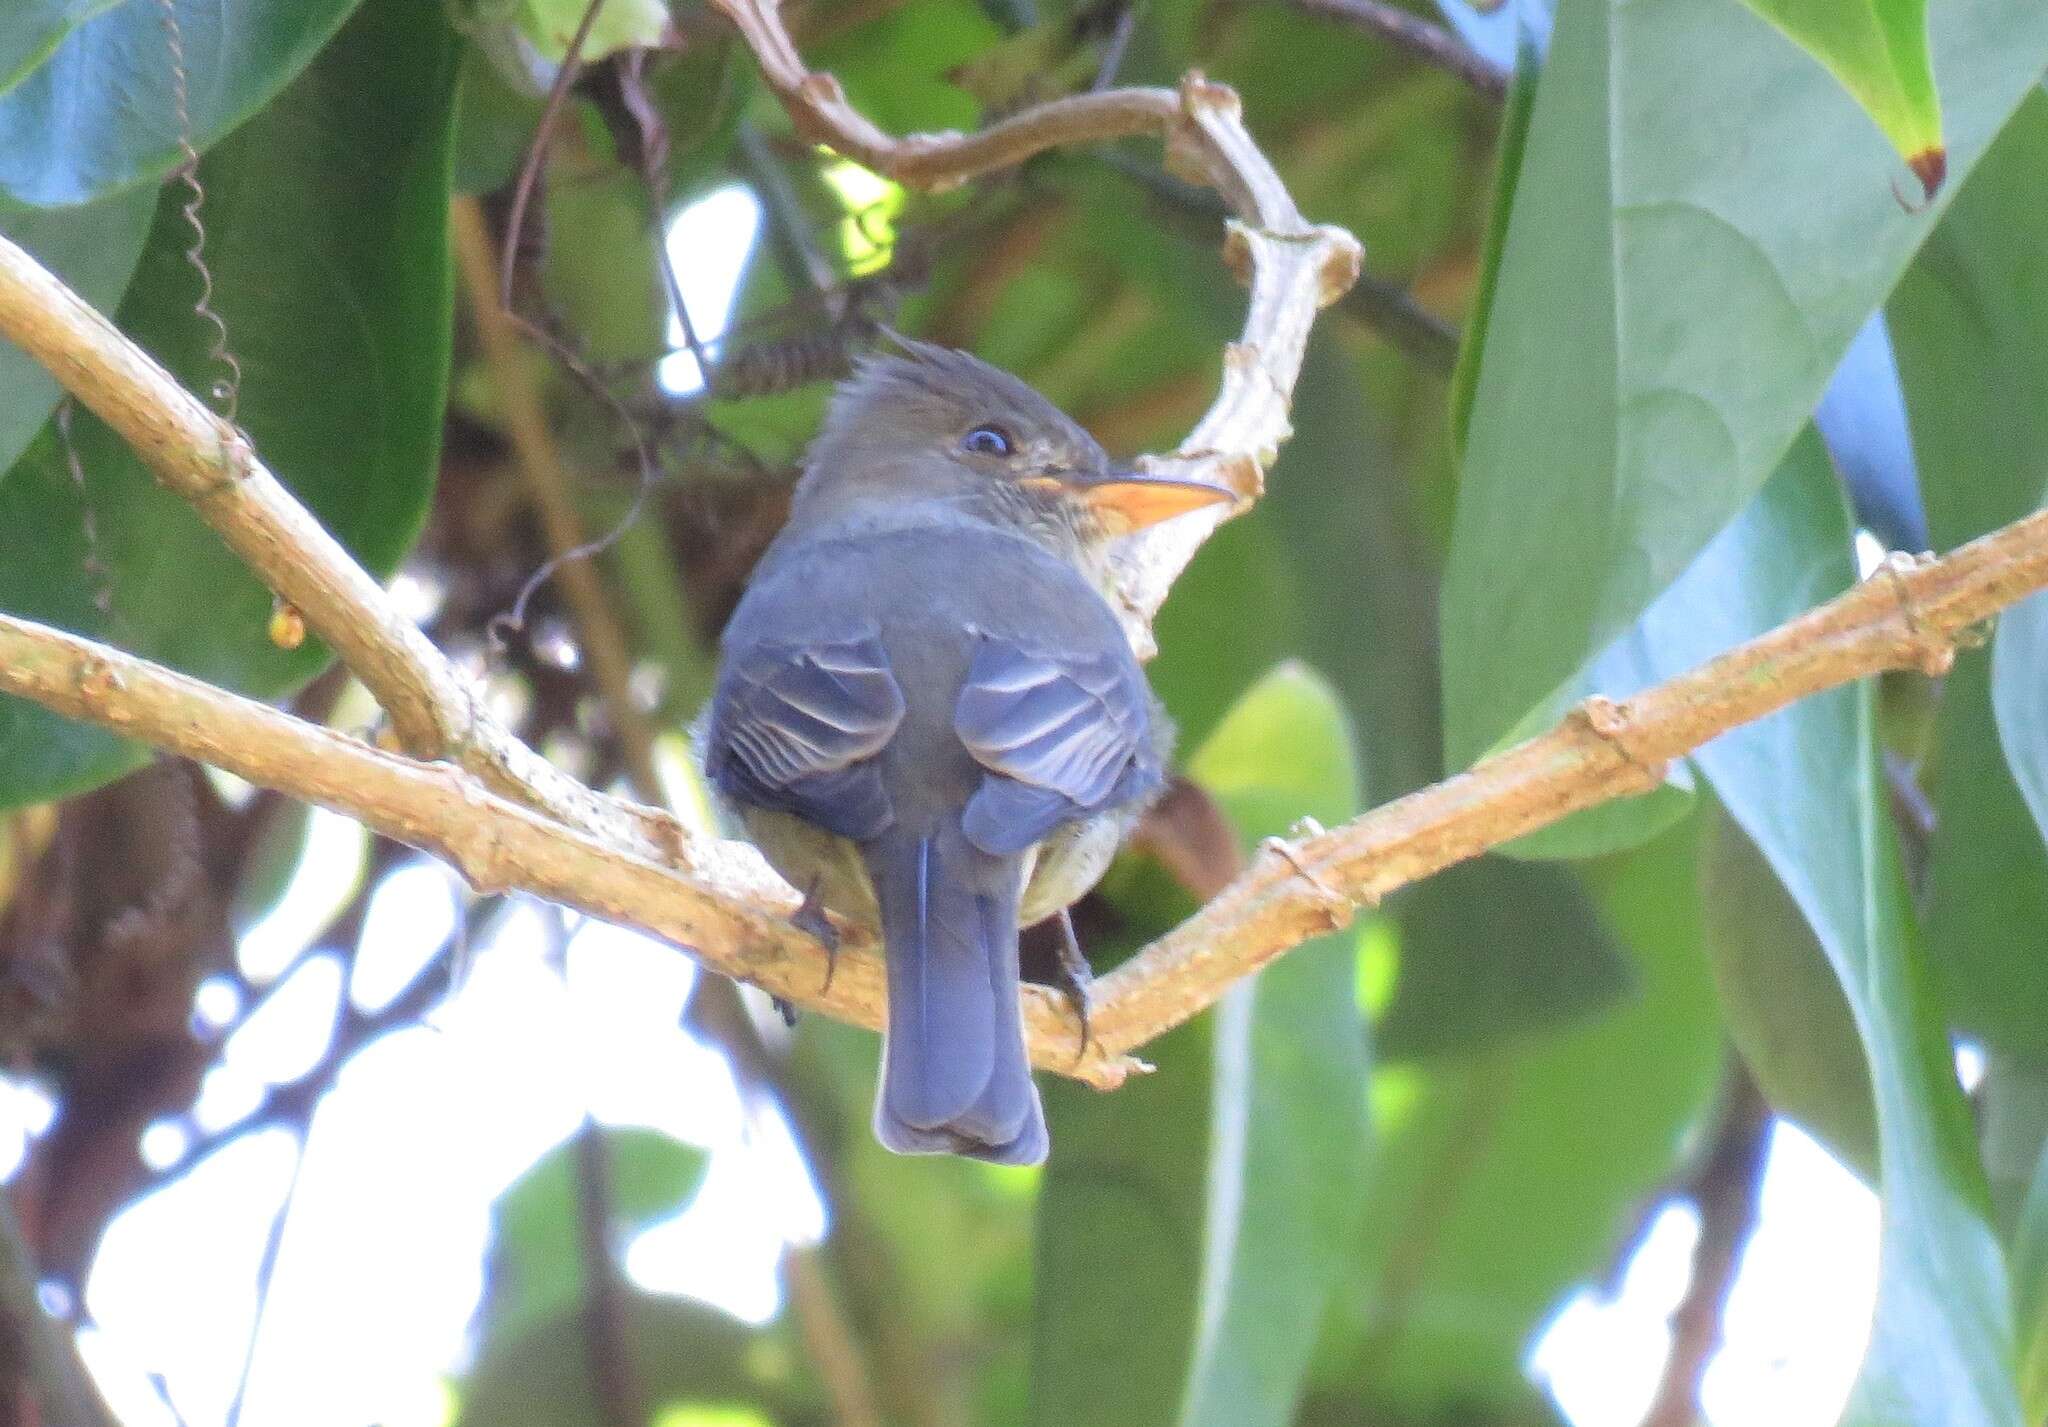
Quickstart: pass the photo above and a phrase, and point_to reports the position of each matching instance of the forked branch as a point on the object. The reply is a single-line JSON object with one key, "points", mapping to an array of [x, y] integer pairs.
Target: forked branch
{"points": [[509, 820]]}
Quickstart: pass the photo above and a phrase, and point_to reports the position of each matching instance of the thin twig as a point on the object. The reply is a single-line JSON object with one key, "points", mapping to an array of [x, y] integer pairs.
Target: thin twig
{"points": [[549, 488], [266, 1270], [599, 634], [537, 148], [1292, 267], [1387, 307], [1430, 43]]}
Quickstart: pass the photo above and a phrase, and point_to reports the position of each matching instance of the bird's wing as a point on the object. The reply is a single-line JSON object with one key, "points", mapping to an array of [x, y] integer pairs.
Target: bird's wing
{"points": [[1061, 735], [795, 727]]}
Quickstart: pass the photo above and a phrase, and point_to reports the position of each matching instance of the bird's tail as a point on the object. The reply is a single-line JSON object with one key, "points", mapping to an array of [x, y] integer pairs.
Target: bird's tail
{"points": [[954, 1074]]}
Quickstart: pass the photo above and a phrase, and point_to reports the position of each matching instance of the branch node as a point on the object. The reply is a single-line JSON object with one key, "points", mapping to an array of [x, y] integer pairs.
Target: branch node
{"points": [[1335, 906], [1343, 261], [1927, 650], [101, 685], [235, 460], [1610, 723]]}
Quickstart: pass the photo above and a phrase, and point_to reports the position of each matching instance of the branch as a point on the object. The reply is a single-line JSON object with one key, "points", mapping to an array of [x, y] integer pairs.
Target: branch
{"points": [[607, 859], [1726, 1193], [200, 457], [1293, 268], [1908, 616], [549, 491]]}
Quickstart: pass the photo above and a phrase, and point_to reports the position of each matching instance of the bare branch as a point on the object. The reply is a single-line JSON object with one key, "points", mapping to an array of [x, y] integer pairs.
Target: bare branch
{"points": [[1294, 268], [1908, 616], [200, 457], [607, 858]]}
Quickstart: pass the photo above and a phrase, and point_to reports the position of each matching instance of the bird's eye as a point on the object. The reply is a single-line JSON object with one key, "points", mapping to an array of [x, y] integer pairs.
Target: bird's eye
{"points": [[987, 441]]}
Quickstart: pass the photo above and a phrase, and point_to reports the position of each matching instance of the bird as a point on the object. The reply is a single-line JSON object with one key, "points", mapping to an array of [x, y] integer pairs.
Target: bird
{"points": [[929, 719]]}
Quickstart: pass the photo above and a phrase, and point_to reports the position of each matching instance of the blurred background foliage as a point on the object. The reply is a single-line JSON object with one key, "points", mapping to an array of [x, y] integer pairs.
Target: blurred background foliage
{"points": [[1659, 343]]}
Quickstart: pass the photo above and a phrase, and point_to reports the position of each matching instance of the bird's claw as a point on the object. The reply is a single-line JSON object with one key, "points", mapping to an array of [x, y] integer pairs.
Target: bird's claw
{"points": [[1075, 979], [810, 919]]}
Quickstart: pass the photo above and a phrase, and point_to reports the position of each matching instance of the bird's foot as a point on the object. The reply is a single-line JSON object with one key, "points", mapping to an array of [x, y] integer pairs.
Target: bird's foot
{"points": [[1075, 978], [784, 1009], [810, 919]]}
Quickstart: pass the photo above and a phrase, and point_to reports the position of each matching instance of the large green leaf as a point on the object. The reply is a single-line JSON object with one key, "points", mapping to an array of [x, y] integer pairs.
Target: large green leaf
{"points": [[326, 241], [1673, 296], [1495, 948], [94, 248], [1878, 49], [1504, 1175], [1191, 1226], [35, 29], [1784, 1006], [101, 112], [1970, 326], [1806, 787], [1486, 949], [2030, 1291]]}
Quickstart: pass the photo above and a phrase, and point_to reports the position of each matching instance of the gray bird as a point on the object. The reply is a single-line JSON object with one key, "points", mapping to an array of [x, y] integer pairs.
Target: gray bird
{"points": [[929, 720]]}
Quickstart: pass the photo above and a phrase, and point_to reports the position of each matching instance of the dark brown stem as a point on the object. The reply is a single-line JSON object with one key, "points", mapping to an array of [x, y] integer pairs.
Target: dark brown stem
{"points": [[1725, 1192]]}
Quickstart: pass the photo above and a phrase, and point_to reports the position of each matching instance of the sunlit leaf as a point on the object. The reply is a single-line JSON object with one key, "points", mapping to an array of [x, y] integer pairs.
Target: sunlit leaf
{"points": [[1784, 1006], [537, 1265], [1878, 50]]}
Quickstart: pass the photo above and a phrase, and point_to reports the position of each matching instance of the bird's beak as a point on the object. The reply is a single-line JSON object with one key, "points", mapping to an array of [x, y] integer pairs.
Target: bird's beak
{"points": [[1127, 500]]}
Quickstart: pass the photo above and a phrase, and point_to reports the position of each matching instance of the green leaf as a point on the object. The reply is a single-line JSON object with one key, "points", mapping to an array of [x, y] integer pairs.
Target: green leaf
{"points": [[1673, 297], [493, 126], [1229, 1181], [35, 29], [94, 248], [2030, 1291], [101, 113], [620, 25], [326, 241], [1494, 948], [1969, 325], [1806, 787], [536, 1266], [1514, 142], [1784, 1006], [896, 65], [1878, 50], [1504, 1175]]}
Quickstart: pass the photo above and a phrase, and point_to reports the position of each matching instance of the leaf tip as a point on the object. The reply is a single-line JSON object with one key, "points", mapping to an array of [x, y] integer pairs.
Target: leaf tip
{"points": [[1930, 166]]}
